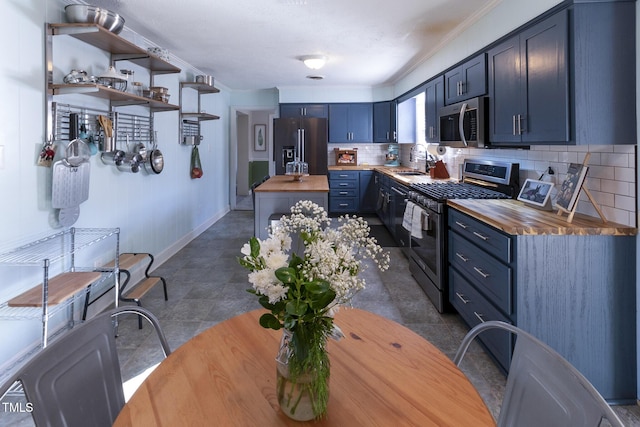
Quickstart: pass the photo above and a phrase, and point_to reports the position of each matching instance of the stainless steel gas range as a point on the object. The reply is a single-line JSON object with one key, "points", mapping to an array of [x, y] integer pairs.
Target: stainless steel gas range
{"points": [[427, 252]]}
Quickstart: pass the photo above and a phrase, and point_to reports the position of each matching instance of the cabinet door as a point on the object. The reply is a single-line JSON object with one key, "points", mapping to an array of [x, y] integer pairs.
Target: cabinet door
{"points": [[504, 91], [368, 192], [304, 110], [452, 81], [434, 99], [474, 77], [467, 80], [351, 123], [339, 123], [361, 122], [382, 122], [543, 51]]}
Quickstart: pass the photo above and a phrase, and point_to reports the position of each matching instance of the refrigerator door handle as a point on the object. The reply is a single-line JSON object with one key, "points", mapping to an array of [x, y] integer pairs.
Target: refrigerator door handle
{"points": [[303, 142]]}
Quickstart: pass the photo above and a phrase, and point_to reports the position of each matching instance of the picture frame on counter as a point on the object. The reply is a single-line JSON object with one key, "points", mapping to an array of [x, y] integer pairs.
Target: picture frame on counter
{"points": [[536, 194], [260, 137], [571, 186]]}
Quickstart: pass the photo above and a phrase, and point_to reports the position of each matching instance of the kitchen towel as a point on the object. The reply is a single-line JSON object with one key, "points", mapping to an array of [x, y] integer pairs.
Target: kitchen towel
{"points": [[416, 222], [407, 219]]}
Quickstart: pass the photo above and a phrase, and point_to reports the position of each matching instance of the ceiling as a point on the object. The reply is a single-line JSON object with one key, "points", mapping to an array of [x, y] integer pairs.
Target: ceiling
{"points": [[257, 44]]}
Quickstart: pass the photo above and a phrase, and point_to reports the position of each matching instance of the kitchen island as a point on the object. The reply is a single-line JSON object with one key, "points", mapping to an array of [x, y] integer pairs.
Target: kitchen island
{"points": [[276, 196]]}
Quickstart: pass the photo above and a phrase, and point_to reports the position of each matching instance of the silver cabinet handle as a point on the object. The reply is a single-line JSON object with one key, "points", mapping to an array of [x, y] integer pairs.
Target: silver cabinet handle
{"points": [[344, 193], [464, 301], [485, 238], [480, 316], [513, 119], [398, 191], [464, 226], [343, 184], [480, 272], [344, 205], [462, 257], [343, 176]]}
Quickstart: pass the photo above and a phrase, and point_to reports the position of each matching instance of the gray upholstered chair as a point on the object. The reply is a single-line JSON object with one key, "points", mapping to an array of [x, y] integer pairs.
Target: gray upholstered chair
{"points": [[76, 380], [543, 389]]}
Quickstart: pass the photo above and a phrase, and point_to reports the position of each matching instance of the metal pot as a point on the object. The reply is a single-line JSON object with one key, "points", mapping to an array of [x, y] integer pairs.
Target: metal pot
{"points": [[155, 162]]}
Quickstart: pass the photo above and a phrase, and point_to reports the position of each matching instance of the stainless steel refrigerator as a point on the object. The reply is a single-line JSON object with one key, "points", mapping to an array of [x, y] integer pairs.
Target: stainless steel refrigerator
{"points": [[302, 138]]}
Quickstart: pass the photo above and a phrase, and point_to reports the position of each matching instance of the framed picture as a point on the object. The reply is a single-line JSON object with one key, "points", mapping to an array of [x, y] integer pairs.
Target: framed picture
{"points": [[570, 189], [260, 137], [536, 193]]}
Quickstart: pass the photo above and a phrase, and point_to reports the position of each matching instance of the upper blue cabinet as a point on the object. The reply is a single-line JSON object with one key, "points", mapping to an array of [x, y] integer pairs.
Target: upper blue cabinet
{"points": [[567, 78], [351, 123], [529, 85], [384, 121], [467, 80], [292, 111]]}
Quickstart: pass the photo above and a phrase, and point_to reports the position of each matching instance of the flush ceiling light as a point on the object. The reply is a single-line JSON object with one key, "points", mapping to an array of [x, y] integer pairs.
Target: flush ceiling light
{"points": [[315, 62]]}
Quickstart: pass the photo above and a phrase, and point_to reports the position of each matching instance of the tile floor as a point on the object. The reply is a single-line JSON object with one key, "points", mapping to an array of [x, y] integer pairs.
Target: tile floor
{"points": [[207, 286]]}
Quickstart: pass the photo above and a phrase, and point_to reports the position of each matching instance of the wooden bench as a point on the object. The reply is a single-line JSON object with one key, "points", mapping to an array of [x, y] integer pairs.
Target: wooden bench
{"points": [[135, 292]]}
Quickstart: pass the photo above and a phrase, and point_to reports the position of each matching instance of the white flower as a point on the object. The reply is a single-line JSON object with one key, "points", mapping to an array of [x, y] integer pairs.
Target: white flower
{"points": [[331, 254]]}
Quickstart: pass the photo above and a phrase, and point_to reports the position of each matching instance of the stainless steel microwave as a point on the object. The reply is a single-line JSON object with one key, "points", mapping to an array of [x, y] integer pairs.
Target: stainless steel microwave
{"points": [[464, 124]]}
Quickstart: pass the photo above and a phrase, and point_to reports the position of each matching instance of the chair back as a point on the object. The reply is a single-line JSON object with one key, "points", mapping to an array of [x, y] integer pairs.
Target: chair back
{"points": [[76, 380], [543, 388]]}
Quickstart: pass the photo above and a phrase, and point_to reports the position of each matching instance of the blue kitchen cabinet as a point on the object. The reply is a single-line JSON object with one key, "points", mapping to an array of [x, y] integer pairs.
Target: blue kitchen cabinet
{"points": [[344, 191], [320, 111], [529, 86], [434, 100], [368, 192], [384, 122], [582, 304], [351, 123], [467, 80]]}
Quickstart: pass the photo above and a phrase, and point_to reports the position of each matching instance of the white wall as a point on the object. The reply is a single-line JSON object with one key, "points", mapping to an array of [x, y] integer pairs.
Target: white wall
{"points": [[156, 213]]}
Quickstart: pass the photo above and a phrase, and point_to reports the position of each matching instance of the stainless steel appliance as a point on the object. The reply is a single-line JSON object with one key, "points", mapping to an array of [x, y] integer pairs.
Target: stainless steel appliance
{"points": [[303, 138], [464, 124], [481, 179]]}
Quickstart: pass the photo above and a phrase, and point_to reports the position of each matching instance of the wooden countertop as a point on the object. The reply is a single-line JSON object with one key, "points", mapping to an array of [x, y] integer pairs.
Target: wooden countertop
{"points": [[285, 183], [515, 218]]}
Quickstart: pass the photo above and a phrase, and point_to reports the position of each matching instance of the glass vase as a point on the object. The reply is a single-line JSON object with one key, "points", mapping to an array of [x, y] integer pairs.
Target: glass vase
{"points": [[298, 397]]}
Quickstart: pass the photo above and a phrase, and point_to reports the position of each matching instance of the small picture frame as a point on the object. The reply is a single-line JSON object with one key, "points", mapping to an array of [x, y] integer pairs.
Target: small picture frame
{"points": [[537, 194], [260, 137]]}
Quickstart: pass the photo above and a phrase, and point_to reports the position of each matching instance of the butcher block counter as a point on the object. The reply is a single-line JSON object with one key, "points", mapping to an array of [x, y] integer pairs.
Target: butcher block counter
{"points": [[515, 218], [274, 197], [285, 183]]}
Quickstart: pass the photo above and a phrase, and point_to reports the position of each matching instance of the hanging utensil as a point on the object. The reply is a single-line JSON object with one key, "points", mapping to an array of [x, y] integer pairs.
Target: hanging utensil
{"points": [[196, 165], [155, 160]]}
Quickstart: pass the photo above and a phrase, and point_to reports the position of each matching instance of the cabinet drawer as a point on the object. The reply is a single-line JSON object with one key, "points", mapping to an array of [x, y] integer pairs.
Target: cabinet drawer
{"points": [[342, 184], [491, 277], [474, 309], [486, 237], [343, 204], [345, 192], [343, 175]]}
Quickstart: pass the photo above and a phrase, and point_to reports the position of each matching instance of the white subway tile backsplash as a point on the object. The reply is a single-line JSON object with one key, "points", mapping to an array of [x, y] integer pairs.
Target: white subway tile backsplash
{"points": [[615, 159], [625, 174], [625, 202], [611, 178], [617, 187]]}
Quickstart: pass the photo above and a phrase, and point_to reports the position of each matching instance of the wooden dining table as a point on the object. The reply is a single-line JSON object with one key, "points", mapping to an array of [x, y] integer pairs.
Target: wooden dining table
{"points": [[382, 374]]}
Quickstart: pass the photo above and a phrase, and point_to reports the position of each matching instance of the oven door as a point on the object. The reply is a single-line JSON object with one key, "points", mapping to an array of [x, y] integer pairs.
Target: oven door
{"points": [[429, 251]]}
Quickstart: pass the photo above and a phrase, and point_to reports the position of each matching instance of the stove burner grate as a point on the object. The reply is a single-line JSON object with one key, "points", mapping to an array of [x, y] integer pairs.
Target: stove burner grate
{"points": [[453, 190]]}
